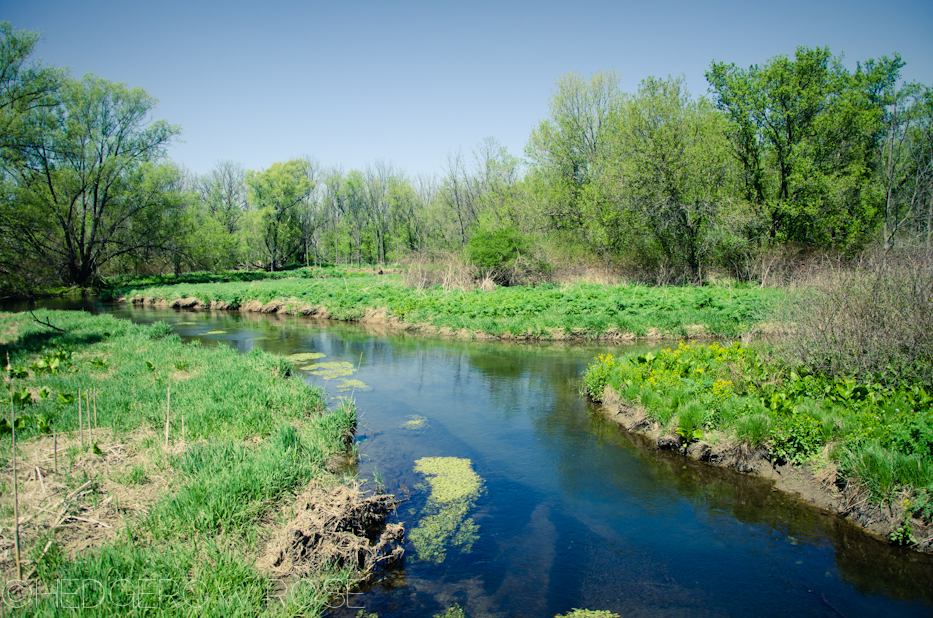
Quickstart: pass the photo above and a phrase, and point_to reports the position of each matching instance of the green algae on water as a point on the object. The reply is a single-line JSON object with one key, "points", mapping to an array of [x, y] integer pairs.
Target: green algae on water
{"points": [[444, 523], [329, 371], [216, 332], [415, 422], [305, 357], [346, 385]]}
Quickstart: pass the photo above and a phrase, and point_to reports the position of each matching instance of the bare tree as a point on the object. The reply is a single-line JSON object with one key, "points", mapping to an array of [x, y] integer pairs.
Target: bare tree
{"points": [[223, 190], [379, 177]]}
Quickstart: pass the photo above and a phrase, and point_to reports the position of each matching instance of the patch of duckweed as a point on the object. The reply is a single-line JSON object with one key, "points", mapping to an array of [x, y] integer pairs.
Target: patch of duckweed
{"points": [[186, 323], [444, 524], [415, 422], [346, 385], [216, 332], [305, 357], [329, 371]]}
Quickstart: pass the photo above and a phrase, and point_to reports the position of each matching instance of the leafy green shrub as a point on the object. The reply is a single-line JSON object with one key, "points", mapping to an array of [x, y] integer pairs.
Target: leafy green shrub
{"points": [[797, 437], [597, 375], [496, 249]]}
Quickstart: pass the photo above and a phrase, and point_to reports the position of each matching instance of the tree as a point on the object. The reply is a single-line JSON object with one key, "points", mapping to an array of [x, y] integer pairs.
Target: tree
{"points": [[223, 192], [805, 131], [94, 188], [675, 169], [276, 194], [24, 89], [569, 149], [906, 162], [379, 178]]}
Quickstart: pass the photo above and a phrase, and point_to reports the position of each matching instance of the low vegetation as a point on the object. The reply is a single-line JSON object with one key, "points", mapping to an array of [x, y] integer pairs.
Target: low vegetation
{"points": [[178, 467], [544, 311]]}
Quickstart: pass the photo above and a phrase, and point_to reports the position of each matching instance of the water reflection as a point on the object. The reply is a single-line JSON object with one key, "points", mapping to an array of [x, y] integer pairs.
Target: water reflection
{"points": [[576, 513]]}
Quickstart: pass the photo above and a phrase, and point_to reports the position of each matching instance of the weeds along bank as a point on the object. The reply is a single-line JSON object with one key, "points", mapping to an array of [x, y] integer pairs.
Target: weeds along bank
{"points": [[162, 476], [868, 444], [584, 311]]}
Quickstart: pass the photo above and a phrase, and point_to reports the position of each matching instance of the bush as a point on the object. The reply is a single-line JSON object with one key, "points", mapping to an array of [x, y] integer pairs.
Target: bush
{"points": [[504, 256], [872, 321]]}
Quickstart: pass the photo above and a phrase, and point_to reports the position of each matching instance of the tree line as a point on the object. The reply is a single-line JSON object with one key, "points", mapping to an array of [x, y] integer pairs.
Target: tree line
{"points": [[798, 152]]}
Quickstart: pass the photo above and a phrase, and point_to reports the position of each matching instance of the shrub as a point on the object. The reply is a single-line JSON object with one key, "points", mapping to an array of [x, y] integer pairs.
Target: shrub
{"points": [[872, 320]]}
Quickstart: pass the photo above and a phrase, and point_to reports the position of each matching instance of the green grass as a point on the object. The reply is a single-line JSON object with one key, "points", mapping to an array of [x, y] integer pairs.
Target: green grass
{"points": [[585, 310], [122, 281], [255, 436]]}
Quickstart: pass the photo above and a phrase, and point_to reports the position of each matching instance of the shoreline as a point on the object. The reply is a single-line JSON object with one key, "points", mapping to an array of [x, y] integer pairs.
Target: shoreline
{"points": [[819, 488], [382, 317]]}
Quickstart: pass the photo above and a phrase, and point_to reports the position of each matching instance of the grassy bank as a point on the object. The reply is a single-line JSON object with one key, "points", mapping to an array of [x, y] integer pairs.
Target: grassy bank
{"points": [[544, 312], [125, 509], [870, 440]]}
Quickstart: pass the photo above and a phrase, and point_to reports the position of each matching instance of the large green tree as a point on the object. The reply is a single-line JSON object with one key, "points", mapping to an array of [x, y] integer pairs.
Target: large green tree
{"points": [[91, 185], [277, 195], [674, 173], [570, 148], [805, 130]]}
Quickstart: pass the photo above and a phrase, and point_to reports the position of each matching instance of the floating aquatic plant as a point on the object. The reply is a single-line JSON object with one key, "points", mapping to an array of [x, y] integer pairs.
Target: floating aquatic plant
{"points": [[216, 332], [415, 422], [454, 490], [345, 385], [329, 371], [305, 357]]}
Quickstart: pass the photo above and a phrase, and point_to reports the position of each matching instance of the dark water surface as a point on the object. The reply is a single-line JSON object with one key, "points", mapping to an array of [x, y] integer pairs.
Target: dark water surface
{"points": [[575, 513]]}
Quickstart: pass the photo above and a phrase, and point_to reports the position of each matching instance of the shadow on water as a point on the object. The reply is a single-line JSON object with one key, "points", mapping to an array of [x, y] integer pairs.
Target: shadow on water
{"points": [[575, 511]]}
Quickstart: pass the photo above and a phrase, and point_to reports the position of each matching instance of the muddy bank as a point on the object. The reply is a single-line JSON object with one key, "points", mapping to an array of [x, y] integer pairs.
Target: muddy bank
{"points": [[821, 487], [383, 317]]}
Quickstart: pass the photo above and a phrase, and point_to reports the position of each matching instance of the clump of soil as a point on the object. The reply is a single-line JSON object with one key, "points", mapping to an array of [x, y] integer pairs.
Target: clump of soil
{"points": [[336, 526]]}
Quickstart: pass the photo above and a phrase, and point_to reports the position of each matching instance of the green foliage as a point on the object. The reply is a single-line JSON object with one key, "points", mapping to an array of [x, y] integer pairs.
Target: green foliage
{"points": [[597, 376], [805, 129], [587, 310], [97, 148], [276, 194], [495, 249]]}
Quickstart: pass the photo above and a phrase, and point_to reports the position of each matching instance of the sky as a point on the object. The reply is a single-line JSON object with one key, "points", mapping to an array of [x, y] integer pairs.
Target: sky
{"points": [[350, 82]]}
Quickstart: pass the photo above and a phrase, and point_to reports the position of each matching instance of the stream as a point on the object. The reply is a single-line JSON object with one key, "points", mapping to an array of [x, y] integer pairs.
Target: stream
{"points": [[573, 511]]}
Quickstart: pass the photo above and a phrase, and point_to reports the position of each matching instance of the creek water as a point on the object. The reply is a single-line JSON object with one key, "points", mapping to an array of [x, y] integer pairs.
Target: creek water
{"points": [[574, 512]]}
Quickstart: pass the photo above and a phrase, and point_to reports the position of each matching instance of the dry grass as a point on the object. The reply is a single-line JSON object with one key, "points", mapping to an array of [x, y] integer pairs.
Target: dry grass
{"points": [[86, 500], [871, 319], [448, 270]]}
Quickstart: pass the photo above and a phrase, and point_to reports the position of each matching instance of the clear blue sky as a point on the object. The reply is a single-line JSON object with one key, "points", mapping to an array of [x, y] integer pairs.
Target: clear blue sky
{"points": [[349, 82]]}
